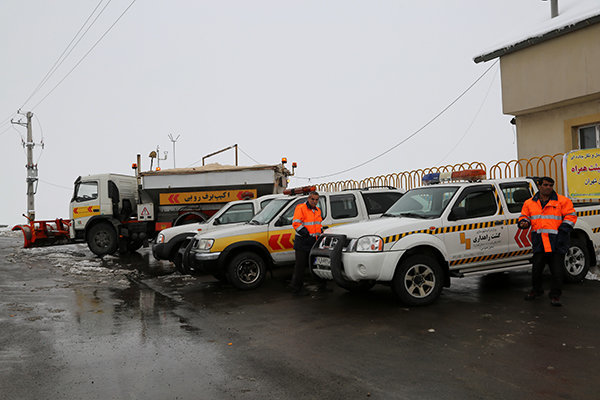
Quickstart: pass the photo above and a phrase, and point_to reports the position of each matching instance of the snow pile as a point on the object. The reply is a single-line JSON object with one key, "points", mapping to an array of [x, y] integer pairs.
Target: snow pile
{"points": [[76, 260]]}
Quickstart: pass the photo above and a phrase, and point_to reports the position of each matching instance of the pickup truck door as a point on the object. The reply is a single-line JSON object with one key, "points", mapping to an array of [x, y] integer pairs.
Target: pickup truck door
{"points": [[515, 194], [475, 228], [343, 208], [281, 233]]}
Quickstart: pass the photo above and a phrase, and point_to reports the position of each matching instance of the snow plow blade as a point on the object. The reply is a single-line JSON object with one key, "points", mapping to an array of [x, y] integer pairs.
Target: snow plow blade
{"points": [[45, 233]]}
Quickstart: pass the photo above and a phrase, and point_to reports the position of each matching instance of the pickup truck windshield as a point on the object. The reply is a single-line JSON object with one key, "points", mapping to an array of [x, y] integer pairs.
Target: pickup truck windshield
{"points": [[265, 215], [426, 202]]}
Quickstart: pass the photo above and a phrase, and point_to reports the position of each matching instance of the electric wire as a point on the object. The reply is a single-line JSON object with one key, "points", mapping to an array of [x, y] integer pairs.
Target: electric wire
{"points": [[85, 55], [64, 54], [55, 185], [248, 155], [408, 137], [474, 118]]}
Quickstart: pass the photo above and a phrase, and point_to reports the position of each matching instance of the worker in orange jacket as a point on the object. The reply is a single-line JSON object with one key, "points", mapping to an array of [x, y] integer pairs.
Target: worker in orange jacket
{"points": [[307, 224], [551, 218]]}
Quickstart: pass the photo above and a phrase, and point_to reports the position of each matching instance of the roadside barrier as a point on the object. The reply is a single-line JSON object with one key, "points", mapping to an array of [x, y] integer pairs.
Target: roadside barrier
{"points": [[545, 165]]}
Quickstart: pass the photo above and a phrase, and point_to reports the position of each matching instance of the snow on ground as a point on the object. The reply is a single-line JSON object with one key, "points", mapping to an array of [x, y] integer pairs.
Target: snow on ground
{"points": [[73, 260]]}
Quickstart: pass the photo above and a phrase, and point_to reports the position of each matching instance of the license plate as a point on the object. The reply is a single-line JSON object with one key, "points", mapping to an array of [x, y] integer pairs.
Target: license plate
{"points": [[324, 261]]}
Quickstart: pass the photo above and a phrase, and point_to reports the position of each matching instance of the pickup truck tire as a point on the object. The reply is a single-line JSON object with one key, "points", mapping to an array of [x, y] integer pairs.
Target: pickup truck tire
{"points": [[418, 280], [246, 270], [358, 287], [102, 239], [577, 261]]}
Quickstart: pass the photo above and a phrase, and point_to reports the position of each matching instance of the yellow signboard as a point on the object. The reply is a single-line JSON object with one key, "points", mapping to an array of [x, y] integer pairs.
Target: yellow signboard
{"points": [[81, 212], [582, 174], [220, 196]]}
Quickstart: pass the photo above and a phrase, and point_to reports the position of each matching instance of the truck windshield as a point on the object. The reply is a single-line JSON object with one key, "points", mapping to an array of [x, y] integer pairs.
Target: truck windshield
{"points": [[85, 191], [265, 215], [426, 202]]}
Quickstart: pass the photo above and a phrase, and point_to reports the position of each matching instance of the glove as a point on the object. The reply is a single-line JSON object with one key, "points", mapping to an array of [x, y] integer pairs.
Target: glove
{"points": [[524, 224], [303, 232]]}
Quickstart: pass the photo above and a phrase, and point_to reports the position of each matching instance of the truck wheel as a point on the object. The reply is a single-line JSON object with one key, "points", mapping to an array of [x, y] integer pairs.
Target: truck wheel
{"points": [[102, 239], [418, 280], [246, 270], [358, 287], [577, 261]]}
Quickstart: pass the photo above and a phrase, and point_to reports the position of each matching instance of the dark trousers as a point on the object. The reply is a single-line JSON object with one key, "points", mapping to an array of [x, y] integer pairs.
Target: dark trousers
{"points": [[300, 269], [556, 263]]}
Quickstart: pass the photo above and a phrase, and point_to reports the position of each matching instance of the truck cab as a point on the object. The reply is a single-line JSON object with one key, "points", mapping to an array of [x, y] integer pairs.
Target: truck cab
{"points": [[99, 206]]}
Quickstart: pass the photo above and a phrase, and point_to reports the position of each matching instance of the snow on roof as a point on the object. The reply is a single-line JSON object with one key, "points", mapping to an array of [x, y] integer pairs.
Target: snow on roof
{"points": [[573, 15]]}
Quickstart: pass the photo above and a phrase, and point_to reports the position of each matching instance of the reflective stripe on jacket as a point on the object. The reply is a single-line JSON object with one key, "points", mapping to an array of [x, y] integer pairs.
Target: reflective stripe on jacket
{"points": [[307, 224], [551, 225]]}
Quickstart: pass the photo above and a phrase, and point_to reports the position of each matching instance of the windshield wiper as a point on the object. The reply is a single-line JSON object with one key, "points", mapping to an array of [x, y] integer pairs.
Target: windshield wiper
{"points": [[388, 215], [412, 215]]}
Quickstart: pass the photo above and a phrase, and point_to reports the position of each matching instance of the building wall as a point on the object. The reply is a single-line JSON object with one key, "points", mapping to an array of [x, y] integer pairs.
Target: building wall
{"points": [[554, 131], [553, 73]]}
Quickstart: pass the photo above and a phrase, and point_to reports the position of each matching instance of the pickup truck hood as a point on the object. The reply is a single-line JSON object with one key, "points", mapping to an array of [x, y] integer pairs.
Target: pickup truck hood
{"points": [[384, 226], [218, 232], [169, 233]]}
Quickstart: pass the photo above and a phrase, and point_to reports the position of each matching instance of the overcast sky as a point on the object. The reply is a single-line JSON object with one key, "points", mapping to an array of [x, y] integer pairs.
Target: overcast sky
{"points": [[328, 84]]}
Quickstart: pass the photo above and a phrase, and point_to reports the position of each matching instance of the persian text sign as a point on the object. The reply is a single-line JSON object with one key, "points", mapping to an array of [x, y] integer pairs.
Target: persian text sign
{"points": [[582, 174], [220, 196]]}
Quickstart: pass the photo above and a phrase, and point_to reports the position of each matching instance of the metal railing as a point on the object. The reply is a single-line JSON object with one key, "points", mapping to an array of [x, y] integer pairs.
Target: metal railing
{"points": [[545, 165]]}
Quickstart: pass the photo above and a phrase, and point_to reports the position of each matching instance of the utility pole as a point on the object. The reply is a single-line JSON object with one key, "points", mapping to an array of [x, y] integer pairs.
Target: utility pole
{"points": [[32, 170], [173, 141]]}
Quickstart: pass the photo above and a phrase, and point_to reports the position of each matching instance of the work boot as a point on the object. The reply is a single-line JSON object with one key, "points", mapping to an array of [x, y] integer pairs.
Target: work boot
{"points": [[533, 294], [555, 301], [322, 287]]}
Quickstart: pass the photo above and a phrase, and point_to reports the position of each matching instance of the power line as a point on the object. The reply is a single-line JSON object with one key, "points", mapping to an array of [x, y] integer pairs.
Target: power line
{"points": [[248, 155], [85, 55], [474, 118], [63, 57], [55, 185], [410, 136]]}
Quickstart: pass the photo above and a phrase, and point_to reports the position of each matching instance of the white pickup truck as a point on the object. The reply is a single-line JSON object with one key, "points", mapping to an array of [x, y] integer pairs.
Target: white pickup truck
{"points": [[241, 254], [446, 230], [236, 212]]}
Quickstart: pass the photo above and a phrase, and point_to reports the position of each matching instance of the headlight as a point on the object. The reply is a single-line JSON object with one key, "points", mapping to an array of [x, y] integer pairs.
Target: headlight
{"points": [[205, 244], [369, 243], [160, 238]]}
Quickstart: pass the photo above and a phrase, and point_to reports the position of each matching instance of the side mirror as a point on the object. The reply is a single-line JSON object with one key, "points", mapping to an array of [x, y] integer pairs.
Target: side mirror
{"points": [[217, 221]]}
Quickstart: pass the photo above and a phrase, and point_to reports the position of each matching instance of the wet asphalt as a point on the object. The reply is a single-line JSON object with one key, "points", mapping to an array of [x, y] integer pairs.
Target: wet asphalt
{"points": [[132, 329]]}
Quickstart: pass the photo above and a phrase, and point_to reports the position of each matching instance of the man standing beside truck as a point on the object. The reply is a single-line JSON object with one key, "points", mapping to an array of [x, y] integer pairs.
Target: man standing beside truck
{"points": [[551, 218], [307, 224]]}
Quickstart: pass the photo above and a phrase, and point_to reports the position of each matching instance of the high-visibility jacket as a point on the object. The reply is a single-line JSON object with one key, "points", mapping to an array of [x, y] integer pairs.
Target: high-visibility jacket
{"points": [[307, 224], [550, 225]]}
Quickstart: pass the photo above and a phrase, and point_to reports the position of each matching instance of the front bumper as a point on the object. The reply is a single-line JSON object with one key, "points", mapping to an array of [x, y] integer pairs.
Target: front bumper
{"points": [[352, 266], [161, 251], [196, 262]]}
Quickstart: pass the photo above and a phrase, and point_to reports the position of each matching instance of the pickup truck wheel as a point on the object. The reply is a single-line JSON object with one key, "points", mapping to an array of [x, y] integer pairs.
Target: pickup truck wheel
{"points": [[577, 261], [358, 287], [418, 280], [246, 270], [102, 239]]}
